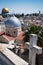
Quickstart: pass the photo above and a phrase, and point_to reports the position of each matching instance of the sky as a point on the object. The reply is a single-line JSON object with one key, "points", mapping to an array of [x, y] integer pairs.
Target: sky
{"points": [[22, 6]]}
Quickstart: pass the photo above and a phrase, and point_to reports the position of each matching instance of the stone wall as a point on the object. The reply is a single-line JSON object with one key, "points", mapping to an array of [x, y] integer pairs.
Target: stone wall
{"points": [[39, 59]]}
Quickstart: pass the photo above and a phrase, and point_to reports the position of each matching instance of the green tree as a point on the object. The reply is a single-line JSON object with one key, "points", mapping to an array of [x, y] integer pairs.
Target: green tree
{"points": [[34, 30], [40, 38]]}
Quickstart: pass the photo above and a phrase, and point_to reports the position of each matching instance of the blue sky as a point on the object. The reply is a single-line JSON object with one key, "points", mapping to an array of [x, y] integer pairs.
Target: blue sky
{"points": [[22, 6]]}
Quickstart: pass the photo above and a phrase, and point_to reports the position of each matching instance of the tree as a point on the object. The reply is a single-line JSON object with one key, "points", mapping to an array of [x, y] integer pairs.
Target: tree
{"points": [[34, 30], [22, 14], [40, 38]]}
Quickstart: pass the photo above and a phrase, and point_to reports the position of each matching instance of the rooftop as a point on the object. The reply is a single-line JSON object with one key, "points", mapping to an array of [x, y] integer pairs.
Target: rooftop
{"points": [[1, 33], [8, 37]]}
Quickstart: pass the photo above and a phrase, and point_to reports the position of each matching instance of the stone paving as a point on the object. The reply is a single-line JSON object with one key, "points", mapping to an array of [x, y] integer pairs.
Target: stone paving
{"points": [[12, 56]]}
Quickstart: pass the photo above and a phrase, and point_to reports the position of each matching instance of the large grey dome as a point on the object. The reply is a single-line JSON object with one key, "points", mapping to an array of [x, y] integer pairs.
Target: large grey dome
{"points": [[13, 22]]}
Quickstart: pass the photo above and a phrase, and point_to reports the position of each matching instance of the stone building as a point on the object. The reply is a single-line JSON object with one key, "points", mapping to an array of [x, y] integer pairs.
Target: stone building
{"points": [[10, 26]]}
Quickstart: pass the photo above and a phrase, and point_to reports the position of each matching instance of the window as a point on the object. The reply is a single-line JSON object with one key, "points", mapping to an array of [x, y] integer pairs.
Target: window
{"points": [[14, 32], [8, 31]]}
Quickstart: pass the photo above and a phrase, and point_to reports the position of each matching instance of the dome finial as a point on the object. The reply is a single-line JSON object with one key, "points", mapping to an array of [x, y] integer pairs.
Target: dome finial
{"points": [[5, 10]]}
